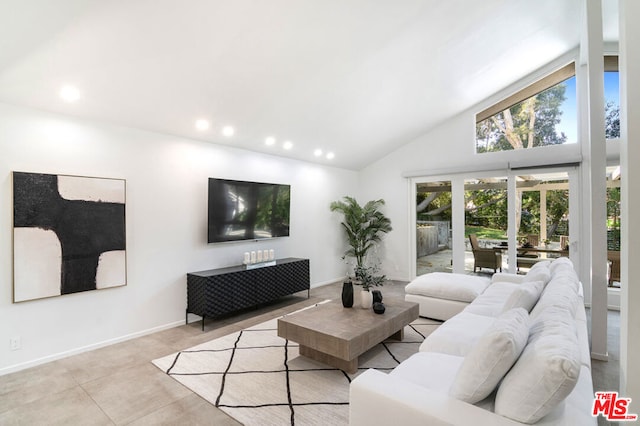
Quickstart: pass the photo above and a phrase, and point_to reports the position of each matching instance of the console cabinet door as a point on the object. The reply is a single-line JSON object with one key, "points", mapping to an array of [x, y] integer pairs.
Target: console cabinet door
{"points": [[221, 295]]}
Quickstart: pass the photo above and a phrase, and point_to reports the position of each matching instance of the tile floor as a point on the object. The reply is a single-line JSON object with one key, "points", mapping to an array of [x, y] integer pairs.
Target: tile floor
{"points": [[118, 385]]}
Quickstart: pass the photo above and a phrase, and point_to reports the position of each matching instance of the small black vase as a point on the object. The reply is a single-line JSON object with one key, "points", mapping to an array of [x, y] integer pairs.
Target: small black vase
{"points": [[347, 294], [377, 296]]}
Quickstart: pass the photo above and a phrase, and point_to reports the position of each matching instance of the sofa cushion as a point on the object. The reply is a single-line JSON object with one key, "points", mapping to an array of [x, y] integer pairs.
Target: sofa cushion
{"points": [[492, 356], [457, 335], [490, 302], [558, 262], [538, 274], [525, 296], [460, 287], [567, 275], [546, 372], [560, 294], [541, 264], [431, 370]]}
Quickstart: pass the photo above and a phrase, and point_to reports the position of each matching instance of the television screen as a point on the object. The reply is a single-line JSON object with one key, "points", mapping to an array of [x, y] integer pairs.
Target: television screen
{"points": [[240, 210]]}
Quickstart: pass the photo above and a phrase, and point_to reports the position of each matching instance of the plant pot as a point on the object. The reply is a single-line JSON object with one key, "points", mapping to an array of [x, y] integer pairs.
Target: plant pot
{"points": [[347, 294], [366, 299]]}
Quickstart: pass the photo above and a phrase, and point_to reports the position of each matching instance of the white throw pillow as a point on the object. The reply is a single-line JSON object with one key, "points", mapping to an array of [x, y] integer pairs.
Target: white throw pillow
{"points": [[559, 294], [491, 357], [546, 372], [540, 274], [541, 264], [526, 296], [560, 261]]}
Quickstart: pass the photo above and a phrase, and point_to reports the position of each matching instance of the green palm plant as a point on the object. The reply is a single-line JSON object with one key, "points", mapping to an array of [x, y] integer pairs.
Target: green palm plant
{"points": [[364, 227]]}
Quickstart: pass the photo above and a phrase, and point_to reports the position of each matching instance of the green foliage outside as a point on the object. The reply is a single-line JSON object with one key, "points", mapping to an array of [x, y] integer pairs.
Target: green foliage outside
{"points": [[485, 233], [530, 123]]}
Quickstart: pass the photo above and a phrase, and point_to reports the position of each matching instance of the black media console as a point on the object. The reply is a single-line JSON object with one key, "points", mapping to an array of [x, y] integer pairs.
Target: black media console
{"points": [[217, 292]]}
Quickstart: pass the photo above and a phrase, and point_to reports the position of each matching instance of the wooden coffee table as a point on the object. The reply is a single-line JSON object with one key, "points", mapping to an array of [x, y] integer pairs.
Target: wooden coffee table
{"points": [[334, 335]]}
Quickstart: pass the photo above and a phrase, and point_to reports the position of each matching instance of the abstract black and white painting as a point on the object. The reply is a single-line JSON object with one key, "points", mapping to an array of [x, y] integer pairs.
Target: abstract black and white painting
{"points": [[68, 234]]}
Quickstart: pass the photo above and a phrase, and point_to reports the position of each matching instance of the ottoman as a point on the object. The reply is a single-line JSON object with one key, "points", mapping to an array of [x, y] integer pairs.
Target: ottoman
{"points": [[441, 295]]}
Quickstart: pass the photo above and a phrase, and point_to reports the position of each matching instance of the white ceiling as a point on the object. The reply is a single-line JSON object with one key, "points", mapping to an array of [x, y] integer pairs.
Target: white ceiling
{"points": [[356, 77]]}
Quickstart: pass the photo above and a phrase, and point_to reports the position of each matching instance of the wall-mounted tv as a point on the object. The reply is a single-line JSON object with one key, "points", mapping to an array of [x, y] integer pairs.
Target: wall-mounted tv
{"points": [[240, 210]]}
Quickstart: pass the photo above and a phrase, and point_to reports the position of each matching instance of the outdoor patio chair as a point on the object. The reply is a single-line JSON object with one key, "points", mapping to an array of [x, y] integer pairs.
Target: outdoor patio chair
{"points": [[484, 257]]}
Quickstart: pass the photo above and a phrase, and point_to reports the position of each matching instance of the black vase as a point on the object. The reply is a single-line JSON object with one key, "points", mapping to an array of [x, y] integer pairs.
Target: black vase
{"points": [[377, 296], [347, 294]]}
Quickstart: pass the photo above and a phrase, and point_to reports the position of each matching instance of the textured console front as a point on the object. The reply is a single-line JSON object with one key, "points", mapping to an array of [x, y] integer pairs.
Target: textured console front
{"points": [[220, 291]]}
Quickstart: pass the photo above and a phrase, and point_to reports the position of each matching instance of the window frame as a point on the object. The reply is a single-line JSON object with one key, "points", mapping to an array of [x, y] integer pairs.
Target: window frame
{"points": [[550, 80]]}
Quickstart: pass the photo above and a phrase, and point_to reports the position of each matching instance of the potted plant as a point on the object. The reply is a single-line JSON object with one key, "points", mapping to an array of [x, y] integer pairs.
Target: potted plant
{"points": [[364, 227]]}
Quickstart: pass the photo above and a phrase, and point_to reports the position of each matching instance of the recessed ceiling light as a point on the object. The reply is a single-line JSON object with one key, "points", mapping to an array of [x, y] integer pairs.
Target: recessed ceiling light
{"points": [[287, 145], [228, 131], [270, 141], [202, 124], [330, 155], [69, 93], [317, 152]]}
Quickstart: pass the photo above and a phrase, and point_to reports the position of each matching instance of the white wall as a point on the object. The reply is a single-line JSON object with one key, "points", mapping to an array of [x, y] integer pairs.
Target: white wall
{"points": [[166, 209]]}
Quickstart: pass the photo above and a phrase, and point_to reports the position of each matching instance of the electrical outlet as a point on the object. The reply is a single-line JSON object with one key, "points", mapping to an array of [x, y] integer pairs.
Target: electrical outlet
{"points": [[15, 343]]}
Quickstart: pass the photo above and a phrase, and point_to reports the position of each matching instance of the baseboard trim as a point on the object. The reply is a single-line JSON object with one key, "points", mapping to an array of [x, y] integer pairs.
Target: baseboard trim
{"points": [[323, 283], [54, 357]]}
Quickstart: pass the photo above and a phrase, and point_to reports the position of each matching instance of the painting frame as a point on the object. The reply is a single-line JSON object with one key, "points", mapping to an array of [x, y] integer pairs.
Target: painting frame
{"points": [[69, 234]]}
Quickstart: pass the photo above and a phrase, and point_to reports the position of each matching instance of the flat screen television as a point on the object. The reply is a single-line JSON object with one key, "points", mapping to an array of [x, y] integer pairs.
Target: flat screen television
{"points": [[240, 210]]}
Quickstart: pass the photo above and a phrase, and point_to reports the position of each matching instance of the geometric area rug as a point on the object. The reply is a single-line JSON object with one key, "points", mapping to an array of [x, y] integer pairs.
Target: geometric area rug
{"points": [[259, 378]]}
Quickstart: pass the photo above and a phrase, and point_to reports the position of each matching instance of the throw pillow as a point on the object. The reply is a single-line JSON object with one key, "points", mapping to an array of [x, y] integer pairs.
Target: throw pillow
{"points": [[526, 296], [546, 372], [539, 274], [491, 357], [542, 264], [560, 261]]}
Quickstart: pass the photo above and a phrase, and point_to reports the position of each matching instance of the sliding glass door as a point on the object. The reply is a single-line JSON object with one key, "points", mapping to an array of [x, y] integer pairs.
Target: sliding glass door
{"points": [[485, 220], [433, 227], [492, 221]]}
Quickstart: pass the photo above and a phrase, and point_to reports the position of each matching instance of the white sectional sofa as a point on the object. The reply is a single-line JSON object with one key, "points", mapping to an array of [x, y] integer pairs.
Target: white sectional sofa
{"points": [[517, 354]]}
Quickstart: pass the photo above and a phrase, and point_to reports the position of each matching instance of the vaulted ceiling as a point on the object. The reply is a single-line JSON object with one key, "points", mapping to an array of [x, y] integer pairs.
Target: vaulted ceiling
{"points": [[358, 78]]}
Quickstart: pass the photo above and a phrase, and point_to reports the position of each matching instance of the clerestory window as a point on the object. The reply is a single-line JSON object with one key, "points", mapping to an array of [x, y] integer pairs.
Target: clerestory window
{"points": [[611, 97], [545, 113], [541, 114]]}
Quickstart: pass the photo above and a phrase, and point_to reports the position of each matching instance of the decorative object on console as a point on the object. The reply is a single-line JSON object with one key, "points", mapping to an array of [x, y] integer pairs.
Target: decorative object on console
{"points": [[68, 234], [377, 296], [347, 294], [260, 264]]}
